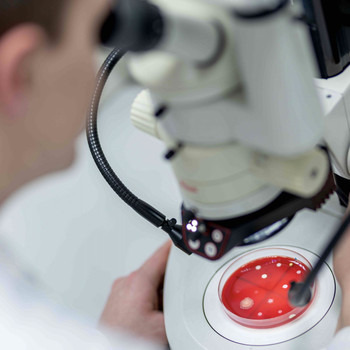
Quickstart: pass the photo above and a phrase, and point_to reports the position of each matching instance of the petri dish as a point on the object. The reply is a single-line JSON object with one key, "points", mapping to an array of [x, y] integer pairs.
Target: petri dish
{"points": [[253, 290]]}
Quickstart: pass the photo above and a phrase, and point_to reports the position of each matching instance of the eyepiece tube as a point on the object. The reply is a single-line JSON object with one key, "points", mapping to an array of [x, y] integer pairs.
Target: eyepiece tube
{"points": [[138, 26]]}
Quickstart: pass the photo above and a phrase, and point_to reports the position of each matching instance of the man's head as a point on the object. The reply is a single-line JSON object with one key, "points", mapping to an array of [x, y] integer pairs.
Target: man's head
{"points": [[47, 14], [47, 72]]}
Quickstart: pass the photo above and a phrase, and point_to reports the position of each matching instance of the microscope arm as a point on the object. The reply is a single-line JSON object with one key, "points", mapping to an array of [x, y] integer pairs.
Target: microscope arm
{"points": [[243, 124]]}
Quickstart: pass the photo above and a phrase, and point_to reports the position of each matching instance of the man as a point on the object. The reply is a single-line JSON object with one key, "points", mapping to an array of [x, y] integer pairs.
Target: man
{"points": [[341, 264], [47, 74], [46, 80]]}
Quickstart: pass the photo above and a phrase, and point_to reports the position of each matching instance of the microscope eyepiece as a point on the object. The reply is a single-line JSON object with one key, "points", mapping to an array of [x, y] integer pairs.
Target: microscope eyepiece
{"points": [[135, 25]]}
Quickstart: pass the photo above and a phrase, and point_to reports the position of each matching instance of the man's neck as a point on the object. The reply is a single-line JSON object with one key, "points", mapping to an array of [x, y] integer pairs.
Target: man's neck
{"points": [[18, 165]]}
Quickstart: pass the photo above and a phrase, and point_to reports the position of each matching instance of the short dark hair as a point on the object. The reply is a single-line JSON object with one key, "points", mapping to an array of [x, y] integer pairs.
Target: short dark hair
{"points": [[46, 13]]}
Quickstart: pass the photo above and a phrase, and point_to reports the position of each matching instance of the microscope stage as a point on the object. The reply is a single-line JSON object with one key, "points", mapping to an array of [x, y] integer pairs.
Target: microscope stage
{"points": [[234, 332], [195, 317]]}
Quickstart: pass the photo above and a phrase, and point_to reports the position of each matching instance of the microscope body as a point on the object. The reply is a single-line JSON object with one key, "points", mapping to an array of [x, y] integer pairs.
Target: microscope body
{"points": [[249, 131]]}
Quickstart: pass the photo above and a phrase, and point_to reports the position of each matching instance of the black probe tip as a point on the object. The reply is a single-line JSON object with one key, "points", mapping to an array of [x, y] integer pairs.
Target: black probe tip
{"points": [[299, 296]]}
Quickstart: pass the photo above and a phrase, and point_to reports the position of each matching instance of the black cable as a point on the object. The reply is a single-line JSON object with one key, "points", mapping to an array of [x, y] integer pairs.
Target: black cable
{"points": [[148, 212], [342, 196], [300, 293], [144, 209]]}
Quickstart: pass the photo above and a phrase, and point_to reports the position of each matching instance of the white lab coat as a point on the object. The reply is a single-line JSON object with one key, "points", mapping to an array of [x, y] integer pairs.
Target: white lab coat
{"points": [[29, 320], [341, 341]]}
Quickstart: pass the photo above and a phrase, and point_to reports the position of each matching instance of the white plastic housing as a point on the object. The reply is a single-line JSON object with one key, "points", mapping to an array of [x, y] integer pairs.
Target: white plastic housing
{"points": [[335, 97], [272, 106], [174, 80], [277, 69], [183, 31]]}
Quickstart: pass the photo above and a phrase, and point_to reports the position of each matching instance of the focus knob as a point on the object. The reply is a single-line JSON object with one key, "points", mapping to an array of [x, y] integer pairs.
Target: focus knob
{"points": [[142, 114]]}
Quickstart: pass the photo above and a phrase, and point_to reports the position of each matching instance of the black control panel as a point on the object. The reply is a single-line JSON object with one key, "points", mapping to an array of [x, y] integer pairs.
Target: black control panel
{"points": [[329, 24], [213, 238]]}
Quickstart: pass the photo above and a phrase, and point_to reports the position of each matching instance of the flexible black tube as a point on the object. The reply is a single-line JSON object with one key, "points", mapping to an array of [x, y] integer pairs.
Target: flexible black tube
{"points": [[144, 209], [300, 293], [342, 196]]}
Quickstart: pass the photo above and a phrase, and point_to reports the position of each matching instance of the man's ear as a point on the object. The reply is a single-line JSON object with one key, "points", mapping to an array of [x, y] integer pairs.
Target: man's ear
{"points": [[16, 46]]}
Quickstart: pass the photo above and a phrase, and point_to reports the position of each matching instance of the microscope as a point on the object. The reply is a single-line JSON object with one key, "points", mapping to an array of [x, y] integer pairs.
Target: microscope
{"points": [[240, 92]]}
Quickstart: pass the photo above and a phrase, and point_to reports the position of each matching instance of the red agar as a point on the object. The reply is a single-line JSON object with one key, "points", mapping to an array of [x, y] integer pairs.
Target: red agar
{"points": [[259, 289]]}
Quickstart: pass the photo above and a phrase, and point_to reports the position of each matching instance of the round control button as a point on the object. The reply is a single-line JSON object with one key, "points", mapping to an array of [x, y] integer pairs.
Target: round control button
{"points": [[217, 236], [194, 244], [210, 249]]}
